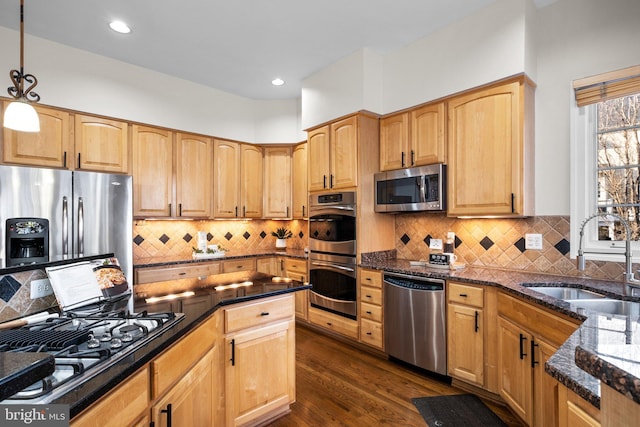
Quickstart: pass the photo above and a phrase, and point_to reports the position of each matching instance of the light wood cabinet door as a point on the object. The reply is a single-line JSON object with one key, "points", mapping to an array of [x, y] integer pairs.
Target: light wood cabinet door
{"points": [[260, 372], [50, 147], [300, 204], [428, 143], [194, 164], [394, 142], [277, 182], [251, 180], [486, 152], [226, 157], [318, 158], [465, 343], [152, 171], [545, 387], [101, 144], [344, 153], [515, 380], [190, 402]]}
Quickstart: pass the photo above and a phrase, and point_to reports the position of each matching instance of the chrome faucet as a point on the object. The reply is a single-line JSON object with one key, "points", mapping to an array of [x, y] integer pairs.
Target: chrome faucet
{"points": [[629, 280]]}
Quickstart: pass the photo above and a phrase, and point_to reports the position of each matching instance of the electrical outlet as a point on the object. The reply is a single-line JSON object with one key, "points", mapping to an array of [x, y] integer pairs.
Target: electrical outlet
{"points": [[40, 288], [435, 244], [533, 241]]}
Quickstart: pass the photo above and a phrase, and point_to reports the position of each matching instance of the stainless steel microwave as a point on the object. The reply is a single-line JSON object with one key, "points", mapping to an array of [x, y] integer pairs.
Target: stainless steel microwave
{"points": [[410, 190]]}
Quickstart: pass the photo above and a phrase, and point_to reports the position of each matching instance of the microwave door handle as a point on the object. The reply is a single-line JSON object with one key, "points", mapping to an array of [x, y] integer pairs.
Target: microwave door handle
{"points": [[327, 264], [65, 228], [420, 185], [424, 189]]}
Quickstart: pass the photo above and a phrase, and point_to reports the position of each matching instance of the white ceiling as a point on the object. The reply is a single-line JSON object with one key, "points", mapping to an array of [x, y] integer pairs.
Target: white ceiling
{"points": [[237, 46]]}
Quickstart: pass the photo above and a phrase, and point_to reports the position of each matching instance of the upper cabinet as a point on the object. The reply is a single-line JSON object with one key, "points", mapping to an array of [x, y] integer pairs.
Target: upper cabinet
{"points": [[413, 138], [299, 182], [49, 147], [101, 144], [277, 182], [238, 180], [333, 155], [152, 171], [171, 174], [490, 151], [194, 163]]}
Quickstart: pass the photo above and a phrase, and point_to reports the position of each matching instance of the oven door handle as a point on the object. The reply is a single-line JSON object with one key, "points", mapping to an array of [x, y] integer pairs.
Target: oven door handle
{"points": [[328, 264]]}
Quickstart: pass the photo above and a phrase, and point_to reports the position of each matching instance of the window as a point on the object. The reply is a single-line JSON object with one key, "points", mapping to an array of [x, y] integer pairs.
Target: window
{"points": [[605, 154]]}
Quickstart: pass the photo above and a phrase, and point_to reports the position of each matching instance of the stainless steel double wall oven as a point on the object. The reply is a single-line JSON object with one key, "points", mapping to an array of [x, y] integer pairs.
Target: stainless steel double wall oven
{"points": [[332, 252]]}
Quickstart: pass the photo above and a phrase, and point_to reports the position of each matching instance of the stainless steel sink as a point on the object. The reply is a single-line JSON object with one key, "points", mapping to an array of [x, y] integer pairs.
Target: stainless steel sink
{"points": [[566, 293], [608, 306]]}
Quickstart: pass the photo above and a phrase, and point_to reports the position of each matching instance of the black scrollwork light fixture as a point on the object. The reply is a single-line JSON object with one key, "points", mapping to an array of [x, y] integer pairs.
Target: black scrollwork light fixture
{"points": [[20, 114]]}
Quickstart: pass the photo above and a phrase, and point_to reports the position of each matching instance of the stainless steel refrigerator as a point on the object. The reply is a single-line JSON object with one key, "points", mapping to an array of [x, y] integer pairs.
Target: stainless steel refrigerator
{"points": [[89, 213]]}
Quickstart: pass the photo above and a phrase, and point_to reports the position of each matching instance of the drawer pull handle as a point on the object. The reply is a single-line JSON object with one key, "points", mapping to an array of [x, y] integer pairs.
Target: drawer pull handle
{"points": [[368, 278], [477, 326], [329, 323], [368, 333], [368, 296], [182, 274], [233, 352], [264, 313], [168, 412], [522, 340], [463, 295], [368, 312], [534, 362]]}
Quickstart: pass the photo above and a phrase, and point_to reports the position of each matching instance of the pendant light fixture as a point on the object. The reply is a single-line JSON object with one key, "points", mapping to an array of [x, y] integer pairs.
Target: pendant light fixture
{"points": [[20, 114]]}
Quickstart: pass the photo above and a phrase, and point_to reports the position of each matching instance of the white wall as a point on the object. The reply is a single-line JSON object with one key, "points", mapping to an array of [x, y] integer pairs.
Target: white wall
{"points": [[575, 39], [78, 80]]}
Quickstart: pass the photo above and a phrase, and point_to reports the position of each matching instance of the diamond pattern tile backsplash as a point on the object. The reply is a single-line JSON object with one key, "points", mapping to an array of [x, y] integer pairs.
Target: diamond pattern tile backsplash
{"points": [[177, 238], [499, 243]]}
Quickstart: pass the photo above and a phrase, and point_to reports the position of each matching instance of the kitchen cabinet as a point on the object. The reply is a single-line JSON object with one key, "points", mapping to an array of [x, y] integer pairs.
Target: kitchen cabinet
{"points": [[300, 204], [194, 164], [466, 332], [152, 171], [273, 266], [259, 360], [238, 180], [171, 174], [236, 265], [176, 272], [101, 144], [129, 401], [277, 182], [185, 385], [413, 138], [297, 270], [334, 322], [371, 321], [574, 411], [50, 147], [490, 150], [527, 336], [333, 155]]}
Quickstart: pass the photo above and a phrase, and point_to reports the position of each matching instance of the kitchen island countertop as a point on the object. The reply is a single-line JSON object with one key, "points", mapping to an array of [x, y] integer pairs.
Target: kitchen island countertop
{"points": [[603, 348]]}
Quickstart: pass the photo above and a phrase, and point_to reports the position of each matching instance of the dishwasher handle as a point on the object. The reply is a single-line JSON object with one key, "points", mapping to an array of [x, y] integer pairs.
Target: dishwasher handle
{"points": [[414, 282]]}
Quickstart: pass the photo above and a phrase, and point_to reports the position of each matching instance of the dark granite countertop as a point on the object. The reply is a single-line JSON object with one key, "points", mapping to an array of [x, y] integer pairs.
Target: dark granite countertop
{"points": [[19, 370], [165, 261], [95, 387], [604, 348]]}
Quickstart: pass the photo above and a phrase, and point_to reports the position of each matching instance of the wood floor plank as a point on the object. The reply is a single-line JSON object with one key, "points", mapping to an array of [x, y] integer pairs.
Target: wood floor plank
{"points": [[340, 385]]}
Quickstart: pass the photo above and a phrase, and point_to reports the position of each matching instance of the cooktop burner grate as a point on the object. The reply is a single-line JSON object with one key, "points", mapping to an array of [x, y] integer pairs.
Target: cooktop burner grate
{"points": [[53, 340]]}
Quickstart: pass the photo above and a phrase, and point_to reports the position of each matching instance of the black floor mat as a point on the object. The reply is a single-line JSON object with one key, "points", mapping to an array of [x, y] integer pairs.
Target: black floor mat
{"points": [[464, 410]]}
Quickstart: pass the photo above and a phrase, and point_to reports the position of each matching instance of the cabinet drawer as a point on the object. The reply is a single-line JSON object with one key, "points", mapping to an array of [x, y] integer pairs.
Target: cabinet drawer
{"points": [[371, 295], [129, 400], [371, 312], [333, 322], [371, 278], [467, 295], [171, 365], [258, 313], [295, 266], [247, 264], [371, 333], [161, 274]]}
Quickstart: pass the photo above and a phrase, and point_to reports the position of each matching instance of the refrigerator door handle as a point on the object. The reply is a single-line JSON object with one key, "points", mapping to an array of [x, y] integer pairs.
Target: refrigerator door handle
{"points": [[80, 227], [65, 227]]}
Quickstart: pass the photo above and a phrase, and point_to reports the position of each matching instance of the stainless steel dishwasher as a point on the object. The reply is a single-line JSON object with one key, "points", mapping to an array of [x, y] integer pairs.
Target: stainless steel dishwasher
{"points": [[415, 321]]}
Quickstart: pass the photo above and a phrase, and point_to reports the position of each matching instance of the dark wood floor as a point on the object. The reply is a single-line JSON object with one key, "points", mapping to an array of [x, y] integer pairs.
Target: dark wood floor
{"points": [[339, 385]]}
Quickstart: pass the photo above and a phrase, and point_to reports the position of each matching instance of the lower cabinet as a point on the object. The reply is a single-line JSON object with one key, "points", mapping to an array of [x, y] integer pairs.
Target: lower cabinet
{"points": [[190, 402], [574, 411], [527, 337], [297, 270], [370, 308], [259, 361], [334, 322], [129, 400]]}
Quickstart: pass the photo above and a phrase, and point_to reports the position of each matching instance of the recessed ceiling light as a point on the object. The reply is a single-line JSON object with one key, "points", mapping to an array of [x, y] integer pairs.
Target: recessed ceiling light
{"points": [[277, 82], [119, 27]]}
